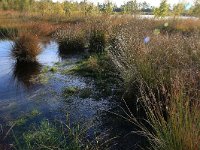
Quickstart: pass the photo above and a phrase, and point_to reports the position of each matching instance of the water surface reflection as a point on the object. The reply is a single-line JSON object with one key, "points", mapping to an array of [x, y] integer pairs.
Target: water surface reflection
{"points": [[24, 73], [15, 76]]}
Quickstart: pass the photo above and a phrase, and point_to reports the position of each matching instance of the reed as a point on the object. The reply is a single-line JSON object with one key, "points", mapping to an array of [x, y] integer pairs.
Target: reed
{"points": [[164, 70]]}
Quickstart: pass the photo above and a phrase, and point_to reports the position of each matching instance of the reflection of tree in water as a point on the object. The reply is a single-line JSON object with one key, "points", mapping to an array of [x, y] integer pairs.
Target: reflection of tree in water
{"points": [[24, 71]]}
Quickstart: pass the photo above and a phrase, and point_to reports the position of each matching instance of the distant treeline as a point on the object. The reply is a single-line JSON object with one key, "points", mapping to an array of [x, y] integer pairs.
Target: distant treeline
{"points": [[87, 8], [67, 7]]}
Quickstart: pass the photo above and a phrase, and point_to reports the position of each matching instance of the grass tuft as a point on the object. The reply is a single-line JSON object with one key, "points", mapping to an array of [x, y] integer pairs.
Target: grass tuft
{"points": [[26, 48], [8, 32]]}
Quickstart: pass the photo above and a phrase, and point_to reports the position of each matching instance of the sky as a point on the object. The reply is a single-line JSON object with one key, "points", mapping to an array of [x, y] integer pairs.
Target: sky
{"points": [[151, 2]]}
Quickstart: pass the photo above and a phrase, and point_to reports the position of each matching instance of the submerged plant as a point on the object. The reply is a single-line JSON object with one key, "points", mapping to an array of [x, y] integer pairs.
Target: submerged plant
{"points": [[70, 91], [50, 136]]}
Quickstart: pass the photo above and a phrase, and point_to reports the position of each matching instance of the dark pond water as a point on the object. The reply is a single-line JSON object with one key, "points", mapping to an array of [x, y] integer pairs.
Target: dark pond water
{"points": [[19, 96]]}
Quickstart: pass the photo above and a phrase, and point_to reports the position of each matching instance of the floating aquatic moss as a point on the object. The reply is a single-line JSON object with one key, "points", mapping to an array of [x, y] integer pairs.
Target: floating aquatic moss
{"points": [[45, 69], [23, 119], [70, 91], [41, 79], [100, 69]]}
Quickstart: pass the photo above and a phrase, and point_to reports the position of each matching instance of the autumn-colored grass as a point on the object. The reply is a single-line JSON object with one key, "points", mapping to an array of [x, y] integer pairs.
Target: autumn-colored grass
{"points": [[26, 47], [164, 67]]}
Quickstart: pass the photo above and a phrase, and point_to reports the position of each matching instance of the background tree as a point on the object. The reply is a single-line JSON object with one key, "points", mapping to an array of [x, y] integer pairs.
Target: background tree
{"points": [[5, 4], [178, 9], [196, 9], [68, 7], [146, 8], [107, 7], [131, 7], [162, 10], [58, 9], [24, 5], [87, 8]]}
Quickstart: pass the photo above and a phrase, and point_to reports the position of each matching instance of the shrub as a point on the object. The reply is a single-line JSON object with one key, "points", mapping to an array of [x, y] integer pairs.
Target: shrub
{"points": [[180, 129]]}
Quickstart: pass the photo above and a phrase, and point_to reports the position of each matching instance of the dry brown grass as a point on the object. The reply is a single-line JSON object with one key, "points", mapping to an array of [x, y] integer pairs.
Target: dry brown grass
{"points": [[26, 47], [27, 23], [43, 29], [188, 25]]}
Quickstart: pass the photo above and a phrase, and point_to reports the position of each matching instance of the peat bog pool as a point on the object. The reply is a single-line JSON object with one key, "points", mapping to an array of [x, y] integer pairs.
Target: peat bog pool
{"points": [[21, 95]]}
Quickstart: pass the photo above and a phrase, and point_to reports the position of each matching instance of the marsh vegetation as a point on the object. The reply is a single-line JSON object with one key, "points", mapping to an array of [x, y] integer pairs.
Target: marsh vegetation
{"points": [[83, 76]]}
